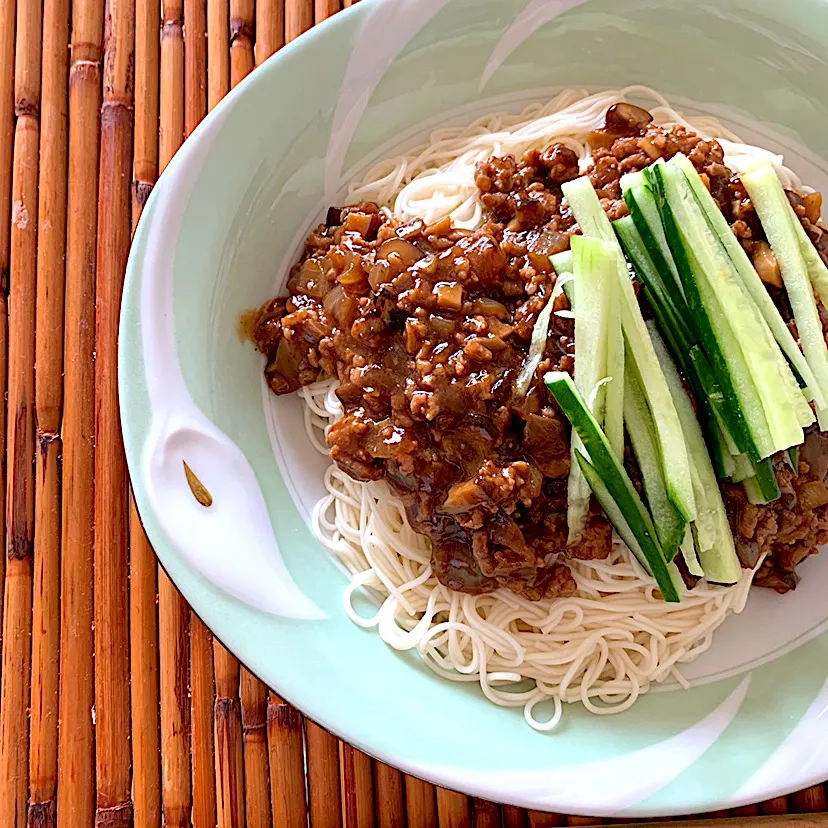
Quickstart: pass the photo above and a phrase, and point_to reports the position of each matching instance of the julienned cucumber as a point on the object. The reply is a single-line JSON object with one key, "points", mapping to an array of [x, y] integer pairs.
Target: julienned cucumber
{"points": [[668, 522], [562, 262], [761, 378], [715, 548], [594, 222], [749, 276], [777, 217], [674, 319], [644, 213], [593, 262], [611, 485]]}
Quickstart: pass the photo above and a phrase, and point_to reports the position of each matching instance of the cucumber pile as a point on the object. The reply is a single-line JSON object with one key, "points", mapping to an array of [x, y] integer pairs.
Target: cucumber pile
{"points": [[716, 328]]}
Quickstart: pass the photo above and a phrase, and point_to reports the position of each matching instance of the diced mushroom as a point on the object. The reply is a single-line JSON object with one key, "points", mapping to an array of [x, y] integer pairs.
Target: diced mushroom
{"points": [[627, 119], [464, 496], [309, 279], [490, 307], [340, 307], [358, 222], [766, 265], [813, 494], [449, 295], [813, 207]]}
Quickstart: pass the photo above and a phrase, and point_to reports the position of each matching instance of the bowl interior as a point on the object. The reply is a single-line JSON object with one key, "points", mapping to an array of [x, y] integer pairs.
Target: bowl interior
{"points": [[246, 191]]}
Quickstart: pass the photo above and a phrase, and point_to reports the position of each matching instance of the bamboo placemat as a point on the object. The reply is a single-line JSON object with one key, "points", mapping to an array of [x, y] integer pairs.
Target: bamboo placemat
{"points": [[102, 722]]}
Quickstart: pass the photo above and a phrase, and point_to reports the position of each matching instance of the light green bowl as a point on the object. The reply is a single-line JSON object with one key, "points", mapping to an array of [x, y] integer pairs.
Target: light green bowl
{"points": [[217, 237]]}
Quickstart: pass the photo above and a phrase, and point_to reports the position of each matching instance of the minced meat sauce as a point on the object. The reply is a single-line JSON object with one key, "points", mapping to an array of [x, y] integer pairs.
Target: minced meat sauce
{"points": [[426, 327]]}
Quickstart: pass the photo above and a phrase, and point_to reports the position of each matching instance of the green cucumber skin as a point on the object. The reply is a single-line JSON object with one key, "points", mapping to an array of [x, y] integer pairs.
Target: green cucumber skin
{"points": [[681, 339], [753, 285], [777, 218], [593, 221], [735, 420], [718, 560], [764, 485], [668, 522], [612, 475], [755, 357], [662, 258]]}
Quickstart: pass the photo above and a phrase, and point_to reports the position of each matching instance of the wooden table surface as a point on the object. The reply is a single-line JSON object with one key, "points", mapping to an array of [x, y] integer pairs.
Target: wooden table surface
{"points": [[117, 707]]}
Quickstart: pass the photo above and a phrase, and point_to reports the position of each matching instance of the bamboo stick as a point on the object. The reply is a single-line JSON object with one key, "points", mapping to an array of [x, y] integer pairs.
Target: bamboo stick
{"points": [[323, 9], [323, 777], [228, 740], [7, 34], [241, 40], [76, 763], [540, 819], [112, 753], [348, 3], [176, 794], [513, 817], [143, 592], [486, 814], [17, 605], [173, 614], [746, 811], [287, 773], [143, 635], [195, 64], [270, 28], [147, 75], [201, 711], [51, 264], [810, 800], [420, 803], [357, 788], [201, 640], [452, 809], [254, 728], [388, 785], [583, 820], [774, 807], [218, 51], [298, 18]]}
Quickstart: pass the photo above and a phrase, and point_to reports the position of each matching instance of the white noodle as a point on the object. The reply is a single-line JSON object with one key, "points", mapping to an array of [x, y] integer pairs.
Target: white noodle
{"points": [[605, 646]]}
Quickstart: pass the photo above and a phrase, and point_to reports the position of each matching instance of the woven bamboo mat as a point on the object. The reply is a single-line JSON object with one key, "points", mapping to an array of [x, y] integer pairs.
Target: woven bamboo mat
{"points": [[103, 722]]}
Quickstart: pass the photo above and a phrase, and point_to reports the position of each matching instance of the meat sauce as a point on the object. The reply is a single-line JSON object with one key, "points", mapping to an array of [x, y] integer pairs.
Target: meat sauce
{"points": [[427, 328]]}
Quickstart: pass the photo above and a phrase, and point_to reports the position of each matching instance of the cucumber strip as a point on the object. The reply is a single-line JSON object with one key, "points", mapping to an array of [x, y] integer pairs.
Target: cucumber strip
{"points": [[594, 222], [611, 485], [633, 179], [778, 219], [792, 456], [616, 370], [593, 261], [649, 275], [692, 360], [717, 558], [817, 271], [743, 468], [761, 377], [748, 275], [669, 524], [562, 262], [536, 346], [643, 208], [763, 487], [688, 552]]}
